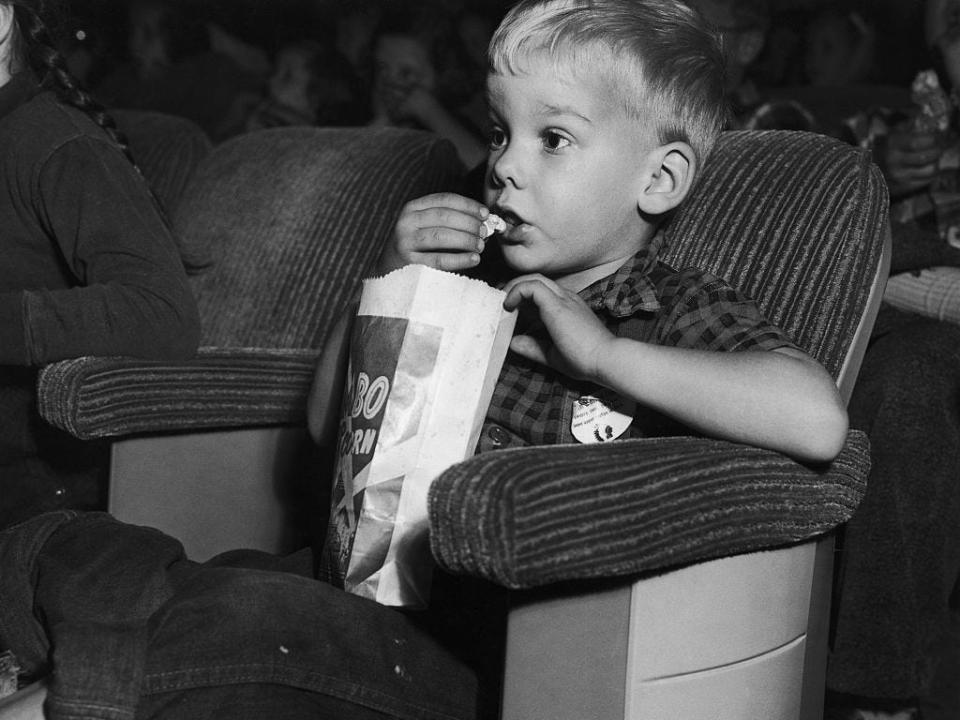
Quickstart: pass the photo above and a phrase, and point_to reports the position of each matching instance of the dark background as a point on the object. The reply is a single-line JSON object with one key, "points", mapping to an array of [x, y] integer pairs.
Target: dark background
{"points": [[268, 23]]}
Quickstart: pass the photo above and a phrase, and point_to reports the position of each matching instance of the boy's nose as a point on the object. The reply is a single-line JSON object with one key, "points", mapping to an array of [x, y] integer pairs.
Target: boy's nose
{"points": [[505, 170]]}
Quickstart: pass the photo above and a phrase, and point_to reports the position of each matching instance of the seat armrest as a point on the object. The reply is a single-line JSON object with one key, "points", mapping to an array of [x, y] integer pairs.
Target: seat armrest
{"points": [[99, 397], [528, 517], [26, 703]]}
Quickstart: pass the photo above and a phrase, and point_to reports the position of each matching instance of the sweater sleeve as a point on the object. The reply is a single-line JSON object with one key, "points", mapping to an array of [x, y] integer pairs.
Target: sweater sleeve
{"points": [[131, 295]]}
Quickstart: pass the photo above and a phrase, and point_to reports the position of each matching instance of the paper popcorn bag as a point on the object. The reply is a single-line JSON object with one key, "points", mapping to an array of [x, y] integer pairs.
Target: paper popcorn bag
{"points": [[425, 353]]}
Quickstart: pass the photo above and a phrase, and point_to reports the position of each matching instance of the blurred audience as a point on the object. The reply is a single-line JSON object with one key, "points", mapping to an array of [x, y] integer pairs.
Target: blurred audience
{"points": [[475, 26], [169, 67], [311, 84], [355, 24], [419, 79], [839, 48], [88, 44], [743, 26], [917, 145]]}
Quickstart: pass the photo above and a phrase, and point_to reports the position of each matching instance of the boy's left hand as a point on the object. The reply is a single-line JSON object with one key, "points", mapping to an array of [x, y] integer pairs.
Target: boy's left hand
{"points": [[576, 336]]}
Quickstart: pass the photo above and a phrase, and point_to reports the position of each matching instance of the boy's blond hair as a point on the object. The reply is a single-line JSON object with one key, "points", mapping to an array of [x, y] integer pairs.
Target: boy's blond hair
{"points": [[660, 57]]}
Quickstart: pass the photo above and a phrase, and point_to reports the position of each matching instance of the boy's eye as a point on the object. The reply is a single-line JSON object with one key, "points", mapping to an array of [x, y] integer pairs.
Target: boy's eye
{"points": [[498, 138], [554, 141]]}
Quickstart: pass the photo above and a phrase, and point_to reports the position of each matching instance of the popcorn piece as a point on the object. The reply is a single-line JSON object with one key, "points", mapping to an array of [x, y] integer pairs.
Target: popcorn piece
{"points": [[493, 224], [934, 104]]}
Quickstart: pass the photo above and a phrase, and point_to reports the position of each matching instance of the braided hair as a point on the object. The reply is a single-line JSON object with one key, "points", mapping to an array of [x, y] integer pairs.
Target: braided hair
{"points": [[37, 50]]}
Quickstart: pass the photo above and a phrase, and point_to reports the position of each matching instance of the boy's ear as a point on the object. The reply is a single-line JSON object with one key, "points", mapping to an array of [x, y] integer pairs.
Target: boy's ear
{"points": [[668, 177]]}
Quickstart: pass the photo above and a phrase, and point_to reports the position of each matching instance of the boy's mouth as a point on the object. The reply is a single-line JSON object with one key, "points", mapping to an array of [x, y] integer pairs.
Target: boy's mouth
{"points": [[511, 220]]}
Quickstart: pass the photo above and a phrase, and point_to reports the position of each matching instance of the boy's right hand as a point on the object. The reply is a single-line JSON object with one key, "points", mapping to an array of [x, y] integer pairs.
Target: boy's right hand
{"points": [[440, 230]]}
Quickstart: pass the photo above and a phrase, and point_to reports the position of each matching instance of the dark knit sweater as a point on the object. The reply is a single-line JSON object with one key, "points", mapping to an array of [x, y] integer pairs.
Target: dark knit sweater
{"points": [[89, 266]]}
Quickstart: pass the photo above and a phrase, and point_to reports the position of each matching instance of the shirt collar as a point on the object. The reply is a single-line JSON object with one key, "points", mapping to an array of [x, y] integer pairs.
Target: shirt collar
{"points": [[21, 87], [629, 289]]}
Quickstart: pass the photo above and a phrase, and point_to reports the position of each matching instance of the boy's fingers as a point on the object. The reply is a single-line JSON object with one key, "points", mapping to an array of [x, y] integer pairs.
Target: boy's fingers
{"points": [[535, 288], [527, 347], [450, 200], [449, 218], [445, 240], [451, 262]]}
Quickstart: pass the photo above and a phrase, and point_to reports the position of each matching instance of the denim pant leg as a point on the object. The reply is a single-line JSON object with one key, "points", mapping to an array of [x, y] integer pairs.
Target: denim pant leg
{"points": [[337, 655], [78, 592], [20, 628], [901, 550]]}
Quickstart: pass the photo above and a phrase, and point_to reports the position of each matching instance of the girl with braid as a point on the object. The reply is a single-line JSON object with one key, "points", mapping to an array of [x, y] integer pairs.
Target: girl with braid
{"points": [[89, 265]]}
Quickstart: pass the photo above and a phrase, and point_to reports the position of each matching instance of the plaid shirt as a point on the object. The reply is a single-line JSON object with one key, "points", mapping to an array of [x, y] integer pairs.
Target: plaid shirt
{"points": [[644, 300]]}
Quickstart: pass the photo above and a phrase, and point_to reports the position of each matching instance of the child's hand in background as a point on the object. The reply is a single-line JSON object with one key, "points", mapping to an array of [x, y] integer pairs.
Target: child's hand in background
{"points": [[909, 159]]}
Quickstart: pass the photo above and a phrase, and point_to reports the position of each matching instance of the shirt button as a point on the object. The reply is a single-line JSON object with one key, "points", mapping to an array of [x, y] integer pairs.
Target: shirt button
{"points": [[498, 436]]}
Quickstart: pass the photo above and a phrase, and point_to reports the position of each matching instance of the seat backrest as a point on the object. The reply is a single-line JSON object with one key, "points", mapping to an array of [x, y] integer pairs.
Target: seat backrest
{"points": [[785, 217], [292, 217], [166, 148], [692, 594]]}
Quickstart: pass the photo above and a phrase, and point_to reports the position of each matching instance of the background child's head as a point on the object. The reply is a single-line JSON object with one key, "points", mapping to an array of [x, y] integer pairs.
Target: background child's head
{"points": [[355, 24], [743, 26], [942, 35], [661, 63], [418, 47], [292, 82], [316, 80], [840, 48], [474, 30], [162, 32]]}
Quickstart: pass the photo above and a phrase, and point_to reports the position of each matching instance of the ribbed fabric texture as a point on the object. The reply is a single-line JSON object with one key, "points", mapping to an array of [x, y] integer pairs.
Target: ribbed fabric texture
{"points": [[221, 388], [794, 220], [166, 148], [294, 217], [532, 516]]}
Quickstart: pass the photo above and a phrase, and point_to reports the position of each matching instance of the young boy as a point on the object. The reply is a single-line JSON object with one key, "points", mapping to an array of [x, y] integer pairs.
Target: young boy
{"points": [[603, 113]]}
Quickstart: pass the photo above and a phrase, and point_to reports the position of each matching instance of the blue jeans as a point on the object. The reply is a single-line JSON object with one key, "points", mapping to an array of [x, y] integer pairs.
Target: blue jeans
{"points": [[900, 552], [136, 630]]}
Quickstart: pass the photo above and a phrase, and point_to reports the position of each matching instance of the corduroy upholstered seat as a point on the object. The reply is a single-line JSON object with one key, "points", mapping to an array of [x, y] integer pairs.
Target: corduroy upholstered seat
{"points": [[796, 220], [683, 577], [667, 578], [166, 148], [286, 221]]}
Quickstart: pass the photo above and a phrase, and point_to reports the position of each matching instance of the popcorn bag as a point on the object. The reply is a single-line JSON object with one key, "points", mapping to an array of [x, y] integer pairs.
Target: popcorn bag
{"points": [[426, 350]]}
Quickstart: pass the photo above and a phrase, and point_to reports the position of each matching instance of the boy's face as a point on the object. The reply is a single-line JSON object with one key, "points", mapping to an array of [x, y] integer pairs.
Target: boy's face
{"points": [[564, 171]]}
